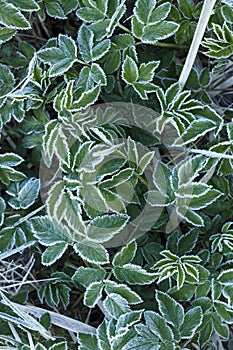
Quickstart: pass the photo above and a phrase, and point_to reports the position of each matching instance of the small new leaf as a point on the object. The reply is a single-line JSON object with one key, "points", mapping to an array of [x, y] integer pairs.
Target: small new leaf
{"points": [[129, 71]]}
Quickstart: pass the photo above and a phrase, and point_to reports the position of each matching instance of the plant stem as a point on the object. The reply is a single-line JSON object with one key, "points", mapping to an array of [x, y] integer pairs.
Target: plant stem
{"points": [[168, 45], [124, 28]]}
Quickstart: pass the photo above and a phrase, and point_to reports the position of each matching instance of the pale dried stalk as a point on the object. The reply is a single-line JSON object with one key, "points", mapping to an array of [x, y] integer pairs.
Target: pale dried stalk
{"points": [[57, 319], [197, 38]]}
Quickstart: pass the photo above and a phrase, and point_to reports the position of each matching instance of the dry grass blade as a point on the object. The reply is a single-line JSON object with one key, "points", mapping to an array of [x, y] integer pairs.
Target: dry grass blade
{"points": [[57, 319], [197, 38]]}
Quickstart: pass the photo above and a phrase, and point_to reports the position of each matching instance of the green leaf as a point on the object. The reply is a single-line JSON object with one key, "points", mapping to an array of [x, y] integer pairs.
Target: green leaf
{"points": [[143, 9], [191, 216], [54, 9], [87, 341], [221, 328], [100, 49], [129, 71], [159, 31], [123, 41], [103, 335], [226, 277], [113, 61], [88, 51], [146, 71], [185, 32], [123, 290], [59, 58], [223, 309], [6, 79], [116, 16], [53, 253], [6, 34], [222, 47], [137, 27], [46, 232], [94, 202], [26, 5], [26, 195], [86, 99], [121, 177], [180, 276], [157, 325], [93, 294], [187, 242], [11, 17], [60, 8], [89, 76], [59, 346], [92, 252], [10, 159], [134, 274], [205, 77], [87, 275], [90, 14], [207, 329], [143, 88], [157, 199], [126, 321], [161, 175], [125, 255], [146, 341], [195, 130], [103, 228], [190, 168], [186, 7], [116, 305], [193, 190], [204, 200], [49, 141], [64, 295], [192, 320], [160, 13], [39, 346], [171, 311]]}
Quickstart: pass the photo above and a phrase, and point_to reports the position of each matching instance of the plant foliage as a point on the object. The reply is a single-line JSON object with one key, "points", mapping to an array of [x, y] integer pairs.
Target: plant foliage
{"points": [[116, 228]]}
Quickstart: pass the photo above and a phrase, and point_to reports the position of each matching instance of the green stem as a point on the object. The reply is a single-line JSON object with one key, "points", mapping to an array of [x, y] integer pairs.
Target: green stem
{"points": [[143, 181], [168, 45], [124, 28]]}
